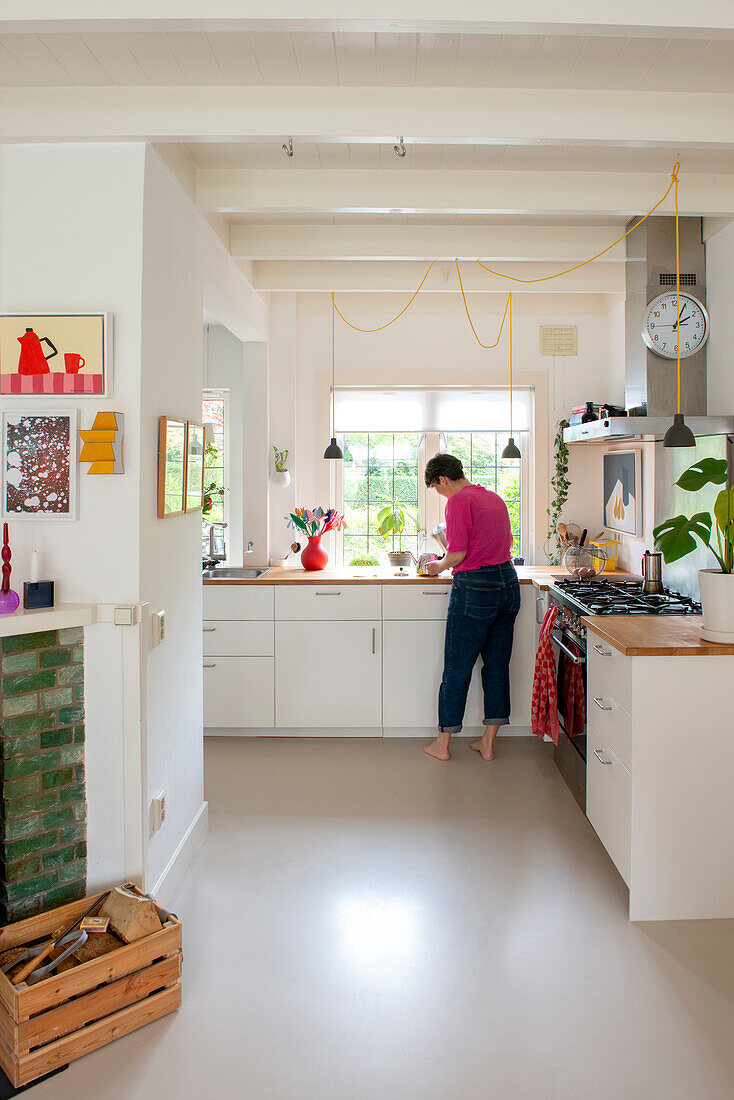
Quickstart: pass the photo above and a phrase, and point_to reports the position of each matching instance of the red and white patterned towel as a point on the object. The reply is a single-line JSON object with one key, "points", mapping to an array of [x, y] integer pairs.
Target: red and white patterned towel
{"points": [[544, 711]]}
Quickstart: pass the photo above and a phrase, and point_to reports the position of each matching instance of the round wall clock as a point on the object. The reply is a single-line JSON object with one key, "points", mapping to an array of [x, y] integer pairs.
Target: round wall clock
{"points": [[661, 328]]}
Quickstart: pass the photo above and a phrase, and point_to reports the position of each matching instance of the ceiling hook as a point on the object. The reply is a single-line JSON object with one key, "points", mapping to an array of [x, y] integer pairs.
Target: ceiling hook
{"points": [[400, 150], [288, 149]]}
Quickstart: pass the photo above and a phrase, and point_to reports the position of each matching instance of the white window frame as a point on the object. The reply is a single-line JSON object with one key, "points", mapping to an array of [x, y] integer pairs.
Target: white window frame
{"points": [[431, 506], [214, 394]]}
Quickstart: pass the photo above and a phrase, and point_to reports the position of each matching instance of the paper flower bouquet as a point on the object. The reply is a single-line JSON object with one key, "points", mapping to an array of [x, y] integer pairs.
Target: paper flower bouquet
{"points": [[314, 523]]}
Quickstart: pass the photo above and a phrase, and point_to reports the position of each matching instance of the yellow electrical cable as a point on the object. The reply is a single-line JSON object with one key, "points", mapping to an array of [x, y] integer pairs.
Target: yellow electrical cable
{"points": [[468, 316], [333, 368], [547, 278], [677, 274], [510, 330], [402, 311]]}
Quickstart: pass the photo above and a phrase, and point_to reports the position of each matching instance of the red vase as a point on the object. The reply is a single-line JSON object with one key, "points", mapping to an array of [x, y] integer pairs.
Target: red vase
{"points": [[315, 555]]}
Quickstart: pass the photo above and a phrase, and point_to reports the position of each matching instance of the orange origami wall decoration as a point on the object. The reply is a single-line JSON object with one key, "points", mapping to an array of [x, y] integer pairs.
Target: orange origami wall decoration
{"points": [[102, 444]]}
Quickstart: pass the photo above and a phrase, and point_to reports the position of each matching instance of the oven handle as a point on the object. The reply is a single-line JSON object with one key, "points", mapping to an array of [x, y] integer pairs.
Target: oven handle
{"points": [[576, 659]]}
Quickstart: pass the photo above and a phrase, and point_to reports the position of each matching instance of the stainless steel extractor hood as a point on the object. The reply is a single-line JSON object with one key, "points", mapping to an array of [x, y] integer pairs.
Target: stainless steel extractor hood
{"points": [[644, 427]]}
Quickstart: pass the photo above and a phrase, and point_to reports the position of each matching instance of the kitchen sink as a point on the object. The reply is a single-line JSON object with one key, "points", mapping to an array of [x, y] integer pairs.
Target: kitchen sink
{"points": [[232, 574]]}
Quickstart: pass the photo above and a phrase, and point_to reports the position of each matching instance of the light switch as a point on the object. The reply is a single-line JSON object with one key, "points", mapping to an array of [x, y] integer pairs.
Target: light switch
{"points": [[123, 616]]}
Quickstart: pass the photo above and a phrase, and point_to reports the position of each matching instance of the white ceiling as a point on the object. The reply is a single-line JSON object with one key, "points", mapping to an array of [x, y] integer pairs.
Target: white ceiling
{"points": [[512, 158], [366, 59]]}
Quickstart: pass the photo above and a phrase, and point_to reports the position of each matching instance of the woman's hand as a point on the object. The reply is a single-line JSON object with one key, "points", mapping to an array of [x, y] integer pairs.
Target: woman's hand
{"points": [[434, 568]]}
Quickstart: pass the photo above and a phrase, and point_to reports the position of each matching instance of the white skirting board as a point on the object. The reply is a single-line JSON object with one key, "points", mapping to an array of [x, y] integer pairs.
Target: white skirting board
{"points": [[358, 731], [177, 865]]}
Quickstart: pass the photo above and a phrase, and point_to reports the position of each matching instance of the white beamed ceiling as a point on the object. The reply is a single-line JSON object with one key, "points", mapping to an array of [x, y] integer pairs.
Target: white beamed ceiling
{"points": [[530, 140], [357, 58]]}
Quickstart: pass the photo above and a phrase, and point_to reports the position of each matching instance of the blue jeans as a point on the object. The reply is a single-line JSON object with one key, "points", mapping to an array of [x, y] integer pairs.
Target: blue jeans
{"points": [[481, 620]]}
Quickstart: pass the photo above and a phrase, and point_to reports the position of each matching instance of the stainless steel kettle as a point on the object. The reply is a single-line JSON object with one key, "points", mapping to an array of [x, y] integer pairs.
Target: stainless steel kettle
{"points": [[652, 572]]}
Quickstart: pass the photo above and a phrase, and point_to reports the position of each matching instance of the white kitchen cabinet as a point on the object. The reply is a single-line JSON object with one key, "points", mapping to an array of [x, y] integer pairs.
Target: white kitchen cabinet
{"points": [[238, 692], [232, 638], [312, 601], [429, 601], [608, 800], [329, 675], [238, 601]]}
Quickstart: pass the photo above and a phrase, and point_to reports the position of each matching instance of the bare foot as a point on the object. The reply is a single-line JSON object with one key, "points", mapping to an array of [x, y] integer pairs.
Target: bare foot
{"points": [[487, 751], [437, 750]]}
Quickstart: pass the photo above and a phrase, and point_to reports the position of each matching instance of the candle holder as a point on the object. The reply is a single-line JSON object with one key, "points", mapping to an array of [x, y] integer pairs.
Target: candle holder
{"points": [[9, 600]]}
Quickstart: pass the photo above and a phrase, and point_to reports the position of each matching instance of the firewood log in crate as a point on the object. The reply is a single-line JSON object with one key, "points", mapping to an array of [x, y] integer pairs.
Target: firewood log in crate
{"points": [[65, 1016]]}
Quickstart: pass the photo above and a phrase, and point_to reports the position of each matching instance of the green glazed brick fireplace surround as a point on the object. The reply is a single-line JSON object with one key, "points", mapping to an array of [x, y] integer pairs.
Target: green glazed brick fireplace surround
{"points": [[43, 849]]}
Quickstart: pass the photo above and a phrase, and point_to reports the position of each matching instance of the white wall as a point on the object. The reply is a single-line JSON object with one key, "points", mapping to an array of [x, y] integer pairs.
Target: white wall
{"points": [[70, 240], [719, 296], [433, 336]]}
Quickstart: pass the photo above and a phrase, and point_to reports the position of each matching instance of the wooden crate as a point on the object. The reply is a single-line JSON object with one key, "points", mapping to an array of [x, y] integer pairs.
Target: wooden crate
{"points": [[66, 1016]]}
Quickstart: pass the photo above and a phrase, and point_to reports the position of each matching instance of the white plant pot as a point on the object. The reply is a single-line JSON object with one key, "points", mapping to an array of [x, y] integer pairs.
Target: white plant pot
{"points": [[281, 478], [717, 601]]}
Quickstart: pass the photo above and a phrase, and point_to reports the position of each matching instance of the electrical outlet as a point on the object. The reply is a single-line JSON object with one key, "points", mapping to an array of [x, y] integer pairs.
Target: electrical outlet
{"points": [[157, 811], [158, 627]]}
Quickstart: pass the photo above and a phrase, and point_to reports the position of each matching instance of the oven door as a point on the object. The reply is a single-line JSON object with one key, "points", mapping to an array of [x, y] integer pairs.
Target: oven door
{"points": [[570, 753]]}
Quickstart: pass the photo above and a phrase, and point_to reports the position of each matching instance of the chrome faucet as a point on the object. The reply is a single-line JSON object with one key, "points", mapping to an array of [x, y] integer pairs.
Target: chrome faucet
{"points": [[215, 555]]}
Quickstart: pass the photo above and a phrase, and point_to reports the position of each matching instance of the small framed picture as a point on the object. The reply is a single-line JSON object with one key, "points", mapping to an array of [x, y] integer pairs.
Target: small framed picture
{"points": [[56, 354], [39, 471], [194, 466], [622, 491], [171, 467]]}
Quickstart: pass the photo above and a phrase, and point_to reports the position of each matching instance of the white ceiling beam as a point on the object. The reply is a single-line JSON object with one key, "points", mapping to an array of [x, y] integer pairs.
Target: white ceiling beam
{"points": [[466, 16], [273, 191], [403, 277], [422, 242], [476, 116]]}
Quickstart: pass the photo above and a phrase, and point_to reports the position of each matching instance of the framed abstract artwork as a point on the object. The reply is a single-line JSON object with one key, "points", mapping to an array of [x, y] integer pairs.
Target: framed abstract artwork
{"points": [[39, 472], [171, 467], [194, 466], [623, 491], [56, 353]]}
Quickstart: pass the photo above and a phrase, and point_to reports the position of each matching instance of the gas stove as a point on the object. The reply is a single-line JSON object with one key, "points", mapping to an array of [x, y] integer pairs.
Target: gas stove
{"points": [[605, 597]]}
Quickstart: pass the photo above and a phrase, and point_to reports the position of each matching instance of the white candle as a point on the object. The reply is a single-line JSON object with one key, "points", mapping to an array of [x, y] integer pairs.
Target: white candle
{"points": [[34, 567]]}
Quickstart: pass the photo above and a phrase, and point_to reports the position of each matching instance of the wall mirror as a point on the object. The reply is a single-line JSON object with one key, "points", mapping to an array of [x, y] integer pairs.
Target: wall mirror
{"points": [[171, 467]]}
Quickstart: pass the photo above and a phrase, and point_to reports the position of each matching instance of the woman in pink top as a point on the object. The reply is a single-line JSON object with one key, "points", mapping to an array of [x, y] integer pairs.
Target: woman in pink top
{"points": [[485, 600]]}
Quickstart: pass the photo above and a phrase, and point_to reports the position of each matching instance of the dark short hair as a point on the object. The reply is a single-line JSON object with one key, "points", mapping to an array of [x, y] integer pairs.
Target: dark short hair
{"points": [[443, 466]]}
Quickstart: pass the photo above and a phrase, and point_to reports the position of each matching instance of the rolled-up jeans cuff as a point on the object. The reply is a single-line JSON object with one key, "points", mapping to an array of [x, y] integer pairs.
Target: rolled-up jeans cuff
{"points": [[449, 729], [496, 721]]}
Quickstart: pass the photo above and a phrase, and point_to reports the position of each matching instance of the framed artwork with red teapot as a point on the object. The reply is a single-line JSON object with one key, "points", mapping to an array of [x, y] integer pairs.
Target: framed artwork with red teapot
{"points": [[56, 353]]}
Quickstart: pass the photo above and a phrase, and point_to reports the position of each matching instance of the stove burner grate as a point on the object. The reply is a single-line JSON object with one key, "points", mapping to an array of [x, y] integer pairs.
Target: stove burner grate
{"points": [[625, 598]]}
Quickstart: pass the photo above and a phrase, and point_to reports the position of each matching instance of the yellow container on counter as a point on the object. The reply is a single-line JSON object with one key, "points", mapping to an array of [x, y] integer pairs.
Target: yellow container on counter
{"points": [[611, 549]]}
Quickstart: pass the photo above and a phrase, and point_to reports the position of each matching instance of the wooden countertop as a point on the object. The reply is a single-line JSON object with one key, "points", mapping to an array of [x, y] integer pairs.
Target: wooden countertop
{"points": [[539, 575], [656, 635]]}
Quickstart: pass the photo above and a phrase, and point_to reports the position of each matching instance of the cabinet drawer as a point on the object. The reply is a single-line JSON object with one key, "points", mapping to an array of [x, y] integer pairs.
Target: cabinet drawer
{"points": [[329, 601], [611, 720], [415, 601], [232, 638], [610, 668], [238, 601], [239, 692], [608, 800]]}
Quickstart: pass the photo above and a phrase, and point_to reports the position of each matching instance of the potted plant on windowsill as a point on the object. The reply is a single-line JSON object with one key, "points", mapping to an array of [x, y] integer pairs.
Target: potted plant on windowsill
{"points": [[391, 520], [281, 474], [675, 538]]}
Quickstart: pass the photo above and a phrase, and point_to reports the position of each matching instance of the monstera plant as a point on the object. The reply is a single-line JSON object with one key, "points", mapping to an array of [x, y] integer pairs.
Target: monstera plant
{"points": [[676, 538]]}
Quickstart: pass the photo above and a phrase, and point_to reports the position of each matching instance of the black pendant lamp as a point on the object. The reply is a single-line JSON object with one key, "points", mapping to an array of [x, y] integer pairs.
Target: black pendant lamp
{"points": [[511, 450], [678, 434], [333, 451]]}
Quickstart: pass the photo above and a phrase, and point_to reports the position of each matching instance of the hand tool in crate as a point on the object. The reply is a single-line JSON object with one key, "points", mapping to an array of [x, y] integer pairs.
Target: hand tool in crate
{"points": [[32, 972]]}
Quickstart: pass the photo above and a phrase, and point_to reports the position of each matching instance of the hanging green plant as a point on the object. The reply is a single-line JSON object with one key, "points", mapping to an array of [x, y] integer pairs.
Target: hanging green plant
{"points": [[560, 485]]}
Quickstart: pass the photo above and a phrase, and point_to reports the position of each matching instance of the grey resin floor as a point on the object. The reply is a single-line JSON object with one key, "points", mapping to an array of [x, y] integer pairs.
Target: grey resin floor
{"points": [[366, 923]]}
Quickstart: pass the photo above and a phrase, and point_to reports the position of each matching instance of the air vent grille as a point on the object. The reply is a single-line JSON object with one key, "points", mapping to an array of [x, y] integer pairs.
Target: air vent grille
{"points": [[559, 340], [687, 278]]}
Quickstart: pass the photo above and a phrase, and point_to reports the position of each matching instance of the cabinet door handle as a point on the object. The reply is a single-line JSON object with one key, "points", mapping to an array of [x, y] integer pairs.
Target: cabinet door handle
{"points": [[600, 758], [374, 639], [603, 652], [209, 629], [433, 592], [600, 704], [327, 593], [539, 600], [212, 665]]}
